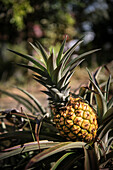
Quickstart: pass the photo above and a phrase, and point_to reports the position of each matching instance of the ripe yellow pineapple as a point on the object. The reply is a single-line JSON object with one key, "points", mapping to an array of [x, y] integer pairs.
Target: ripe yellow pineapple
{"points": [[74, 118]]}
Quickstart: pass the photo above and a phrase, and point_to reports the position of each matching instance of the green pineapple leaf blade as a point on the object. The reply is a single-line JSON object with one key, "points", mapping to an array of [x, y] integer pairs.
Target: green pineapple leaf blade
{"points": [[105, 129], [53, 150], [43, 52], [30, 58], [69, 52], [80, 57], [101, 104], [21, 100], [110, 103], [40, 107], [35, 69], [56, 75], [50, 64], [107, 88], [60, 52], [108, 115], [55, 166]]}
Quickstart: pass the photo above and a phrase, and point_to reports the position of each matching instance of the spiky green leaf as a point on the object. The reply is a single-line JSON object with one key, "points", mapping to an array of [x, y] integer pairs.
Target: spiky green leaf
{"points": [[55, 166], [59, 57], [38, 104], [30, 58], [43, 52], [50, 64], [36, 70], [69, 52], [101, 104], [80, 57], [107, 88]]}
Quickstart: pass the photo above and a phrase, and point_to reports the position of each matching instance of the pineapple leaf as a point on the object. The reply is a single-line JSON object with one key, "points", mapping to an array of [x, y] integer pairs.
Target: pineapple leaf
{"points": [[107, 88], [36, 70], [73, 66], [53, 150], [30, 58], [90, 76], [82, 91], [108, 157], [50, 64], [105, 129], [62, 81], [43, 52], [101, 104], [69, 52], [110, 103], [80, 57], [56, 75], [108, 115], [96, 73], [91, 162], [60, 52], [21, 100], [41, 108], [26, 148], [55, 166]]}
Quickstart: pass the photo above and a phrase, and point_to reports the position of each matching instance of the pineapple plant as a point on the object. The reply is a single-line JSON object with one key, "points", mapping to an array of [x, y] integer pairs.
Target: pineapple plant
{"points": [[75, 119], [68, 111]]}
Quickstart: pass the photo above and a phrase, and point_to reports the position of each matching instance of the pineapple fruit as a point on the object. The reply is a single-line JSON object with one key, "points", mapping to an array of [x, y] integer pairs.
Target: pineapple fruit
{"points": [[75, 119]]}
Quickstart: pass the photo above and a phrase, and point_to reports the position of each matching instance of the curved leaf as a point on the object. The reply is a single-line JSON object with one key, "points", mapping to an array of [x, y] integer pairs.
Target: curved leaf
{"points": [[26, 148], [35, 69], [69, 52], [105, 129], [21, 100], [41, 108], [55, 149], [61, 160], [108, 115], [30, 58]]}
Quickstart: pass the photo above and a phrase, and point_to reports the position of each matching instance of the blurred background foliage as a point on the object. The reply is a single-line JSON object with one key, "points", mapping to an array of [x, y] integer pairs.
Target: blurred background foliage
{"points": [[49, 21]]}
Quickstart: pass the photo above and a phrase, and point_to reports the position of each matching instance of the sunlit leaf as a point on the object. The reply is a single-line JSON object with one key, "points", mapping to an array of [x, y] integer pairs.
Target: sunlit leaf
{"points": [[43, 52], [101, 104], [59, 57], [25, 148], [30, 58]]}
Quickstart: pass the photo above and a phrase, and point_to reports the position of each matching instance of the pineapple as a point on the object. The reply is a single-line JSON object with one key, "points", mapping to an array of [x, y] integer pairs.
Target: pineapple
{"points": [[75, 119]]}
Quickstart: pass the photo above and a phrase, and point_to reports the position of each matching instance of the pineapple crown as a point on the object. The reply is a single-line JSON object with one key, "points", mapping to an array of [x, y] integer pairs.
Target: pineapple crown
{"points": [[55, 72]]}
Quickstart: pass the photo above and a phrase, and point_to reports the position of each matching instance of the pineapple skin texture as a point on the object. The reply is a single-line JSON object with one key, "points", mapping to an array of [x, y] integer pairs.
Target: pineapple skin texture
{"points": [[77, 121]]}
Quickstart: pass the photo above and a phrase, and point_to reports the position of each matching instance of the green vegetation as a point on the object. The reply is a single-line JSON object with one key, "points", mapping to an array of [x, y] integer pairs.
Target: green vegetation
{"points": [[37, 141]]}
